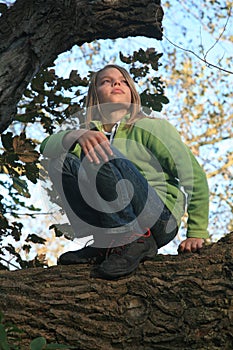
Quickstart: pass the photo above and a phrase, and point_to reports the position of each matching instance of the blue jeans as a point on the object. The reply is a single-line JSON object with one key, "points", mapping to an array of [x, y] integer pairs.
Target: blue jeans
{"points": [[110, 200]]}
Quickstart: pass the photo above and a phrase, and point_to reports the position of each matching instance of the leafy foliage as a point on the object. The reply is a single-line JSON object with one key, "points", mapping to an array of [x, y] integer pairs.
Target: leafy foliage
{"points": [[152, 97], [10, 339]]}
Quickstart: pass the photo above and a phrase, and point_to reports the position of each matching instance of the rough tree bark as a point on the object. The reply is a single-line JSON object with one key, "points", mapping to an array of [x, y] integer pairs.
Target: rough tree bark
{"points": [[172, 302], [34, 32]]}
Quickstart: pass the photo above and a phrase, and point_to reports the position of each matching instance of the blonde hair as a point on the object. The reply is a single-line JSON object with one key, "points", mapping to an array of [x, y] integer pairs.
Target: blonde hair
{"points": [[92, 101]]}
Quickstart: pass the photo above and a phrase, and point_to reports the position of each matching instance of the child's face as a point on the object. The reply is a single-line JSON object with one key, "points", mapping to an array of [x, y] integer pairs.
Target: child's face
{"points": [[112, 87]]}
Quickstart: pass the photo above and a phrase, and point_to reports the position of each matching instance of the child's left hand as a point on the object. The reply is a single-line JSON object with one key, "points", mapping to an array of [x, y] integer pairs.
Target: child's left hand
{"points": [[190, 245]]}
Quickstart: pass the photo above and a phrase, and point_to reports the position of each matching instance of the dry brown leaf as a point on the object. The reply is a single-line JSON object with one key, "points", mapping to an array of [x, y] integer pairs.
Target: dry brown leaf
{"points": [[24, 148]]}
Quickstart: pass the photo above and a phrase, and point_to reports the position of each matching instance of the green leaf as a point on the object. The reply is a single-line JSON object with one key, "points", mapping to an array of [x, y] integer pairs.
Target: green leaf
{"points": [[7, 141], [26, 117], [35, 239], [2, 333], [62, 229], [16, 231], [3, 338], [3, 8], [38, 344], [21, 186], [3, 223], [28, 93], [150, 56], [32, 172], [76, 80], [4, 346], [163, 99]]}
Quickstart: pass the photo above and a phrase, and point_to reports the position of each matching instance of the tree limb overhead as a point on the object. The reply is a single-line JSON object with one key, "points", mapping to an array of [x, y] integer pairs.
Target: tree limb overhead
{"points": [[33, 33]]}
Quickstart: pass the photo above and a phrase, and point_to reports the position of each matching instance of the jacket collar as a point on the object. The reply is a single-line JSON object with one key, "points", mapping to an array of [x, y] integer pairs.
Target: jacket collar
{"points": [[97, 124]]}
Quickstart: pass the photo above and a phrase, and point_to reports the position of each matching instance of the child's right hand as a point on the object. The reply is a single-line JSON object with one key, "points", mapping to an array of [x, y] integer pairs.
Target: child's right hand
{"points": [[94, 144]]}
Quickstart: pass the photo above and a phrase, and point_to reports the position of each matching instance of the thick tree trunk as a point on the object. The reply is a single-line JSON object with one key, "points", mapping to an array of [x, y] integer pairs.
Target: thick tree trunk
{"points": [[34, 32], [172, 302]]}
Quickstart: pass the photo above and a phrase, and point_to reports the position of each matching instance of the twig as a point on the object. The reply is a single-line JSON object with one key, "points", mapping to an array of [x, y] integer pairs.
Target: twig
{"points": [[29, 214], [221, 34], [8, 262], [200, 58]]}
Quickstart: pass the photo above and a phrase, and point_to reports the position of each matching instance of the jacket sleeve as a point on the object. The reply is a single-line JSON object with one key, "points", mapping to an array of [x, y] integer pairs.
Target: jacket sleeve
{"points": [[178, 161], [52, 146]]}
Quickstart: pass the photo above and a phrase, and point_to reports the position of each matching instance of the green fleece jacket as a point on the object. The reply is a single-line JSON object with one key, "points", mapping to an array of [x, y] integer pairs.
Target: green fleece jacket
{"points": [[156, 149]]}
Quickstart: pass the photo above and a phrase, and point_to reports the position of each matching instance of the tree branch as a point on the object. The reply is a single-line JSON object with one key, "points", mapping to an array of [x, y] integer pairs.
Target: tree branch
{"points": [[178, 302], [33, 33]]}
